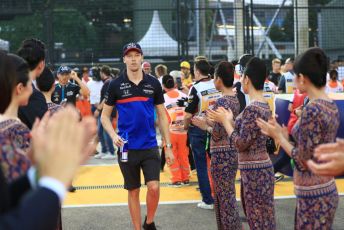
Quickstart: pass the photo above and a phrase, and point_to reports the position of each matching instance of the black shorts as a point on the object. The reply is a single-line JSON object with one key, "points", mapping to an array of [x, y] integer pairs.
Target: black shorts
{"points": [[148, 160]]}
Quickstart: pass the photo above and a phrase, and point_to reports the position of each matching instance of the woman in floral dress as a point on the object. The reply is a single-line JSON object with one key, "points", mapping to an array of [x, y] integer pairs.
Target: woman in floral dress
{"points": [[257, 176], [317, 196], [224, 157], [15, 85]]}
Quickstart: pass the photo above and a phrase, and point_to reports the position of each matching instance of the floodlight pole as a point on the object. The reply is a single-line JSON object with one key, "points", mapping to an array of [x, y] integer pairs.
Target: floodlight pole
{"points": [[202, 29]]}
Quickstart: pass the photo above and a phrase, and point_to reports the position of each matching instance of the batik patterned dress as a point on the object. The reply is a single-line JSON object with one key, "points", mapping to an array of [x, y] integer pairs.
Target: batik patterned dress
{"points": [[317, 196], [257, 175], [15, 163], [53, 108], [224, 165]]}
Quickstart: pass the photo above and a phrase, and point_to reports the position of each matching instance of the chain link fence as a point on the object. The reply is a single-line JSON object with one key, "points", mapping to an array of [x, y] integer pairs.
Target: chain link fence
{"points": [[87, 32]]}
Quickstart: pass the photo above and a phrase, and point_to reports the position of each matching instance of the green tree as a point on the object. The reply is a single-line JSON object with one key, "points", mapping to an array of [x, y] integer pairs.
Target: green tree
{"points": [[69, 26]]}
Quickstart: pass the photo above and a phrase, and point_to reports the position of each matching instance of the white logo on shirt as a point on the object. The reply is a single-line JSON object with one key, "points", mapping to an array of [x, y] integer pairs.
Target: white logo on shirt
{"points": [[124, 86], [69, 93], [148, 91]]}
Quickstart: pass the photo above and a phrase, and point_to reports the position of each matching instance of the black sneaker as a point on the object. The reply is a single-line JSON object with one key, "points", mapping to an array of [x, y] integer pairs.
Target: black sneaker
{"points": [[175, 185], [150, 226], [186, 183], [279, 178], [71, 188]]}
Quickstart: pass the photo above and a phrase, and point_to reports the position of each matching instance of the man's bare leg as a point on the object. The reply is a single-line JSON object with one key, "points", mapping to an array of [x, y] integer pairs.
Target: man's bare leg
{"points": [[152, 199], [134, 207]]}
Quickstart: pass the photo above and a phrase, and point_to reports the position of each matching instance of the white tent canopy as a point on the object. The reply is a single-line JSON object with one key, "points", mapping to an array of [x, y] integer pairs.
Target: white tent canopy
{"points": [[156, 41]]}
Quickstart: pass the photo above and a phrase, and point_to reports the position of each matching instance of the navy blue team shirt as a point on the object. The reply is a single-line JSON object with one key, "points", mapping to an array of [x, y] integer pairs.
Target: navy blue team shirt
{"points": [[135, 105]]}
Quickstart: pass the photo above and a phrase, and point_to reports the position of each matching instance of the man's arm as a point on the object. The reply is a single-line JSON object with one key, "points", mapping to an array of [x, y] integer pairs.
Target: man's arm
{"points": [[83, 87], [106, 122], [187, 120], [163, 125], [105, 119], [191, 107]]}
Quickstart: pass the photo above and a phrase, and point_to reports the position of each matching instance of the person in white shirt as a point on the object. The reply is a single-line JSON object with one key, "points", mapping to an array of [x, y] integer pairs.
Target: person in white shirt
{"points": [[95, 85], [333, 85]]}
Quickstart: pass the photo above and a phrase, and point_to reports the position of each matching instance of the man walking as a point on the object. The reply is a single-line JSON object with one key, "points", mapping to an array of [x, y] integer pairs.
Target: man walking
{"points": [[135, 94]]}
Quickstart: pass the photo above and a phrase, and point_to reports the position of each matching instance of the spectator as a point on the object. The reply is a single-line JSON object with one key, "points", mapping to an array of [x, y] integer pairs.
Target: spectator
{"points": [[146, 66], [65, 90], [333, 85], [286, 83], [275, 74], [107, 148], [46, 84], [33, 52], [202, 97], [85, 75], [160, 71], [187, 79], [95, 85], [114, 72], [180, 169]]}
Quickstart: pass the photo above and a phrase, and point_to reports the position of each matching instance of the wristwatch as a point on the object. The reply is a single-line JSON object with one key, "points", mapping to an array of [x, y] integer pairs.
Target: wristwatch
{"points": [[169, 146]]}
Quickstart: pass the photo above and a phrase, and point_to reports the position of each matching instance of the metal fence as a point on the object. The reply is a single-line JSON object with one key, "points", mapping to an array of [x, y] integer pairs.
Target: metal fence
{"points": [[89, 31]]}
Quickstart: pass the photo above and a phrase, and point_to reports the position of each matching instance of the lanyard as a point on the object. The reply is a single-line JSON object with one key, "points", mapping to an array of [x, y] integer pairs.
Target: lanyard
{"points": [[62, 93]]}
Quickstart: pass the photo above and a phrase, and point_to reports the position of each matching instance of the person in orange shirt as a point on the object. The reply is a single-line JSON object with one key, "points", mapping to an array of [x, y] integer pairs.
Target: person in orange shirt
{"points": [[180, 169], [333, 85]]}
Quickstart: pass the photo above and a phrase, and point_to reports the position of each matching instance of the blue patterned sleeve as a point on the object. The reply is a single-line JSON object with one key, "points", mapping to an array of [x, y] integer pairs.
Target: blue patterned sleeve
{"points": [[248, 130], [308, 137]]}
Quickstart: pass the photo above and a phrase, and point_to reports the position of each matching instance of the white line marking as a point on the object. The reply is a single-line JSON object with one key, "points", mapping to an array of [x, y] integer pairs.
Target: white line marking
{"points": [[95, 165], [162, 203]]}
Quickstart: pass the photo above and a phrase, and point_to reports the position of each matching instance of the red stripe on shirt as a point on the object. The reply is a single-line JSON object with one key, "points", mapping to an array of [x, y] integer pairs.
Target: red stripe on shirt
{"points": [[132, 99]]}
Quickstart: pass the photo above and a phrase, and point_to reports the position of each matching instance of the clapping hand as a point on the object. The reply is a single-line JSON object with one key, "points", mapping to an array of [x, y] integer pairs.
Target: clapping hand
{"points": [[330, 159]]}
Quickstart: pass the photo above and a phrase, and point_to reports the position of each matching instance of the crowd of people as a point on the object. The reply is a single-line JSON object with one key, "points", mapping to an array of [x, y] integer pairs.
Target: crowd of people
{"points": [[212, 118]]}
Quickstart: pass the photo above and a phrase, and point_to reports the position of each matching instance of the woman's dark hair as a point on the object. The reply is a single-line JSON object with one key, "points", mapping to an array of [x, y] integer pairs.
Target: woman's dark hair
{"points": [[168, 81], [313, 64], [33, 51], [7, 81], [333, 75], [22, 69], [106, 70], [95, 73], [225, 71], [46, 81], [256, 71], [203, 67]]}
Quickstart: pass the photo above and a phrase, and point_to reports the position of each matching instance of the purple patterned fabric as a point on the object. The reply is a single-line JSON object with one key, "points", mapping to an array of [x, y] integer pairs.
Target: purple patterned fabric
{"points": [[317, 196], [53, 108], [255, 166], [224, 165], [13, 158]]}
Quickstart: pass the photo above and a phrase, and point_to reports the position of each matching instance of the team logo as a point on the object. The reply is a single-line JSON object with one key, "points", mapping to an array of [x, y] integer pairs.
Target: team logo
{"points": [[126, 93], [148, 91], [69, 93]]}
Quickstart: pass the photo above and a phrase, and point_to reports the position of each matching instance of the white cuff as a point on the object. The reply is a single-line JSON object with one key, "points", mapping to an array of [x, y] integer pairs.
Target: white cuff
{"points": [[31, 175], [53, 185]]}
